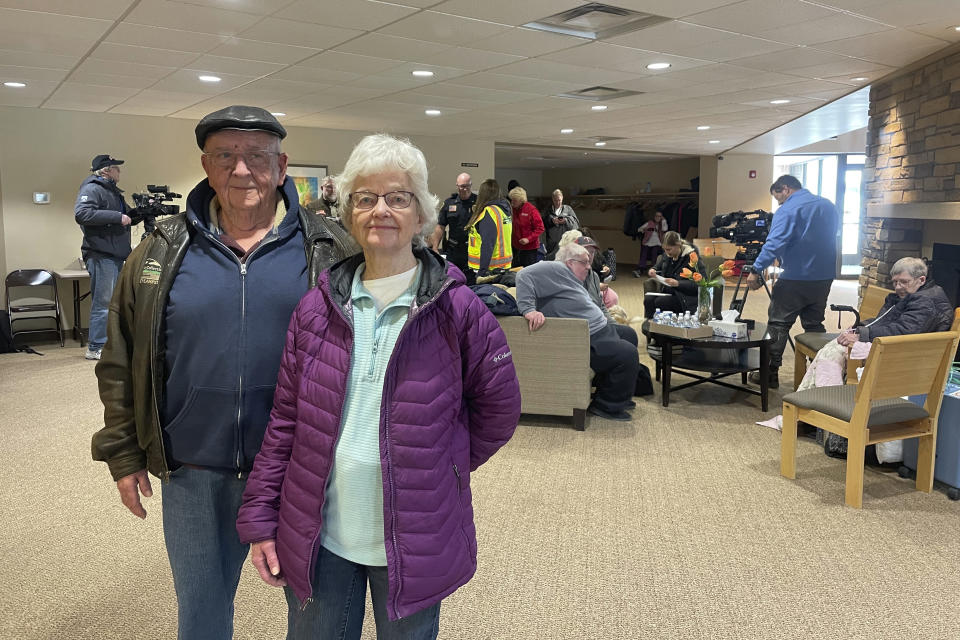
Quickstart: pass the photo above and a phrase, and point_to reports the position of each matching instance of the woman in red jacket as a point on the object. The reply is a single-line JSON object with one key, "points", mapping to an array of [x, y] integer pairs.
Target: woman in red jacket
{"points": [[527, 227]]}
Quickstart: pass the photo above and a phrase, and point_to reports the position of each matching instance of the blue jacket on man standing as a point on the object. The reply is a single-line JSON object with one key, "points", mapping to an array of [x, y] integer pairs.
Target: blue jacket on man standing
{"points": [[804, 236]]}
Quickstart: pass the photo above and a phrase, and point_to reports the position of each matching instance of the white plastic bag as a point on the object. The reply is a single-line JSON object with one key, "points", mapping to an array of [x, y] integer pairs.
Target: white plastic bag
{"points": [[891, 451]]}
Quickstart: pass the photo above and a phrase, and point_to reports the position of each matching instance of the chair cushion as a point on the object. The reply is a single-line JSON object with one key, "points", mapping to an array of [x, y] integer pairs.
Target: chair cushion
{"points": [[815, 341], [838, 401]]}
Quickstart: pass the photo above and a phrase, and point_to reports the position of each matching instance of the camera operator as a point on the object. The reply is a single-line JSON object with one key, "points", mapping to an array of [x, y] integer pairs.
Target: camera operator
{"points": [[103, 214], [804, 237]]}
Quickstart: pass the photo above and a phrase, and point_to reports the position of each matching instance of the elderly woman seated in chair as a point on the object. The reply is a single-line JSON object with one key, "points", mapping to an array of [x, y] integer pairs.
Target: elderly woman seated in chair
{"points": [[916, 306]]}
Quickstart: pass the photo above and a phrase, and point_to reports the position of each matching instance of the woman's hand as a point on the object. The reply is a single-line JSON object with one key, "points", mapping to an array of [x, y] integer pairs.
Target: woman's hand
{"points": [[671, 282], [652, 273], [524, 241], [605, 269], [604, 286], [263, 555], [848, 338]]}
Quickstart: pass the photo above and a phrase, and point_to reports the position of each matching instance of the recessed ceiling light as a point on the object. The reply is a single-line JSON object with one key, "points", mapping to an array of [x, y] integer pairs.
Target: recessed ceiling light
{"points": [[277, 113], [15, 85], [422, 73], [860, 79], [599, 107], [703, 127], [600, 144], [780, 101], [209, 78], [957, 28], [432, 112], [714, 141], [566, 130], [656, 66]]}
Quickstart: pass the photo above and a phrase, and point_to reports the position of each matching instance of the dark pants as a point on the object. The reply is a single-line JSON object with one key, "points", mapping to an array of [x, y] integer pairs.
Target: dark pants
{"points": [[524, 257], [649, 252], [789, 299], [614, 360]]}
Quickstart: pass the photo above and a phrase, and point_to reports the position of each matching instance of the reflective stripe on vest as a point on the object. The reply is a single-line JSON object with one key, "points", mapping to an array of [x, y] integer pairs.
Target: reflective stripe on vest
{"points": [[502, 257]]}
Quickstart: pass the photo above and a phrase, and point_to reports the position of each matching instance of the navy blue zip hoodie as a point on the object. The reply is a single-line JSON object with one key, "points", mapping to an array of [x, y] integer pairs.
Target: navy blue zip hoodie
{"points": [[225, 326]]}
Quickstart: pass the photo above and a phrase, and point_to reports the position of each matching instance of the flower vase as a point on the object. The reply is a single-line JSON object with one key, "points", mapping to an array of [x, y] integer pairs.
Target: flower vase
{"points": [[704, 304]]}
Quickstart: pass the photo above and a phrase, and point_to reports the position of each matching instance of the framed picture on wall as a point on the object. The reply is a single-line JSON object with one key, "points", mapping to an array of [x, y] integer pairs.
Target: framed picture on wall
{"points": [[308, 178]]}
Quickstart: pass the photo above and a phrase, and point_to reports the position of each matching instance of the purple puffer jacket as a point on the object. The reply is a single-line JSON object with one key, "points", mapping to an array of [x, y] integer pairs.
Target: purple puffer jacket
{"points": [[451, 399]]}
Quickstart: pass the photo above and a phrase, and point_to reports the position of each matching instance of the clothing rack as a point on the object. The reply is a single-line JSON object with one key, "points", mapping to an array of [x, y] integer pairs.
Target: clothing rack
{"points": [[613, 201]]}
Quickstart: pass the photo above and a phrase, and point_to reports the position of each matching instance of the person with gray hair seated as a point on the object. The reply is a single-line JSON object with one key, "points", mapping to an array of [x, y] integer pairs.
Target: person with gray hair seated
{"points": [[916, 306], [555, 289]]}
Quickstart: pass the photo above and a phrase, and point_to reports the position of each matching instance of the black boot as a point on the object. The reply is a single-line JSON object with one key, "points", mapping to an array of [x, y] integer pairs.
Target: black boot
{"points": [[774, 382]]}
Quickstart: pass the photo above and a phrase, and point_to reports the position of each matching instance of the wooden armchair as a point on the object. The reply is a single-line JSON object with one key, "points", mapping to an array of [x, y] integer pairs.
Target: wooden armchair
{"points": [[853, 365], [874, 411], [808, 343]]}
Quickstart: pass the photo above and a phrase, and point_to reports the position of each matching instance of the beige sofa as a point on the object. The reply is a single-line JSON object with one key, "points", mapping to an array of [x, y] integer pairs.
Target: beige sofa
{"points": [[553, 366]]}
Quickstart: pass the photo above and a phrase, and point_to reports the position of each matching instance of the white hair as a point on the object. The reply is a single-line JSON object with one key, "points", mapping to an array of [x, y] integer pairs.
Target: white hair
{"points": [[381, 153], [568, 237], [915, 267], [571, 251]]}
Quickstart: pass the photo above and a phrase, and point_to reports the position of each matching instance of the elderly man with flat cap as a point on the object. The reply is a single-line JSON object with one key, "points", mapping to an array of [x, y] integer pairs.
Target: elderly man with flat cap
{"points": [[102, 214], [196, 331]]}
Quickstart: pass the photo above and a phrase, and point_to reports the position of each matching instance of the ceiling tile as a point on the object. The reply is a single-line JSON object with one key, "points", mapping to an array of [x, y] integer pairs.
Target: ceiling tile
{"points": [[124, 53], [258, 7], [103, 9], [443, 28], [506, 11], [575, 77], [627, 59], [834, 27], [738, 46], [186, 81], [50, 24], [789, 59], [218, 64], [525, 42], [147, 71], [905, 14], [111, 79], [473, 59], [672, 8], [351, 62], [505, 82], [348, 14], [674, 37], [190, 17], [482, 96], [163, 38], [393, 47], [849, 68], [321, 75], [29, 74], [262, 51], [37, 59], [303, 34], [894, 48], [754, 16], [151, 109], [942, 29], [46, 44]]}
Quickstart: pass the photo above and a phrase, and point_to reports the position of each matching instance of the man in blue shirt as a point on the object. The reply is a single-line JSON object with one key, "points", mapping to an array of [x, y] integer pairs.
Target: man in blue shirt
{"points": [[803, 236]]}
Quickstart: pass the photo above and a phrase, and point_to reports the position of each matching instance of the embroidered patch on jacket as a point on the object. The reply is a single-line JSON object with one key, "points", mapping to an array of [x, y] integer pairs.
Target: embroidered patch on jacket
{"points": [[151, 272]]}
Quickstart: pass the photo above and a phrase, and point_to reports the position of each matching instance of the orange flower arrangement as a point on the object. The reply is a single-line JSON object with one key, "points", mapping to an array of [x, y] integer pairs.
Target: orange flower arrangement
{"points": [[712, 279]]}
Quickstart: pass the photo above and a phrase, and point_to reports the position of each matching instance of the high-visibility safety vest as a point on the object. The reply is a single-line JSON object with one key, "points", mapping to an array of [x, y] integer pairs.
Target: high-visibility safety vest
{"points": [[502, 257]]}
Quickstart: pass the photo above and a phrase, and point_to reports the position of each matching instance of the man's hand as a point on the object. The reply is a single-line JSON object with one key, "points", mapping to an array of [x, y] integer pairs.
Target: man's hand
{"points": [[130, 488], [753, 281], [125, 220], [263, 555], [535, 319], [652, 273]]}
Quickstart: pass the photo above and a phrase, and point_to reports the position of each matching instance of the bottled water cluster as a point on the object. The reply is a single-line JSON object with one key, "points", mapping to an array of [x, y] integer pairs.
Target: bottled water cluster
{"points": [[671, 319]]}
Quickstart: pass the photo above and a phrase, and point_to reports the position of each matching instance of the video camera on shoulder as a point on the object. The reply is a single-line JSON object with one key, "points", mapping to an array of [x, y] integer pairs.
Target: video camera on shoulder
{"points": [[152, 203]]}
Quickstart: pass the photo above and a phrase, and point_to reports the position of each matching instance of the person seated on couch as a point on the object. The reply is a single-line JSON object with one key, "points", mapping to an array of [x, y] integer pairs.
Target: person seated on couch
{"points": [[916, 306], [674, 293], [555, 289]]}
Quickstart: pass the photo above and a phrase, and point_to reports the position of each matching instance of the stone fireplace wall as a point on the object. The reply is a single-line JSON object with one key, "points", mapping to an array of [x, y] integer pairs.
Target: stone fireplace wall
{"points": [[913, 154]]}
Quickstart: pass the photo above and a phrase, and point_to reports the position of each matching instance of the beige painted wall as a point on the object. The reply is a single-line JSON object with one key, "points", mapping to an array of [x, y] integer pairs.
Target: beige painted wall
{"points": [[48, 150], [625, 178], [736, 190], [708, 192]]}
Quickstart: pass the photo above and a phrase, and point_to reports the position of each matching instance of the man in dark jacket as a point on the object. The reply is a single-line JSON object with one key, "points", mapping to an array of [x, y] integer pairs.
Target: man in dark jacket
{"points": [[455, 214], [196, 331], [102, 213]]}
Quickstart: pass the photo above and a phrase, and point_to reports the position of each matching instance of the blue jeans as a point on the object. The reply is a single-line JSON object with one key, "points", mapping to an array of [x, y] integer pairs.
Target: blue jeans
{"points": [[339, 598], [200, 529], [103, 277]]}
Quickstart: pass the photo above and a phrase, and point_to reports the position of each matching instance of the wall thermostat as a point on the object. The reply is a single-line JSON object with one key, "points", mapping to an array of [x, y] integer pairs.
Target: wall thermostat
{"points": [[41, 197]]}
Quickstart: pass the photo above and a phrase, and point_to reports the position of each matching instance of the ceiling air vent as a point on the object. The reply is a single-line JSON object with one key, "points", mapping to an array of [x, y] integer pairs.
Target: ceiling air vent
{"points": [[596, 21], [598, 94]]}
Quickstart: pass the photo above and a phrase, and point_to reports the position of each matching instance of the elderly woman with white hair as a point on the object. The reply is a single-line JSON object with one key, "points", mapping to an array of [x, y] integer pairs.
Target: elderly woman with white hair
{"points": [[396, 383], [559, 219]]}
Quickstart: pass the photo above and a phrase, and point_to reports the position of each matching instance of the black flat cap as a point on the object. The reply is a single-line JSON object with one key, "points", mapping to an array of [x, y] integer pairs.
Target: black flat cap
{"points": [[238, 117], [103, 160]]}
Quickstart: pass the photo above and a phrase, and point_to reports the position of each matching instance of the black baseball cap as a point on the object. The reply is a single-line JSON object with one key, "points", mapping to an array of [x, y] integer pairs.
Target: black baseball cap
{"points": [[103, 160], [238, 117]]}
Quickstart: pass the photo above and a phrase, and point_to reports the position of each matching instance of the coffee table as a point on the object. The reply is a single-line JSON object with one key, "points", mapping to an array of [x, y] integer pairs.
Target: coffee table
{"points": [[719, 358]]}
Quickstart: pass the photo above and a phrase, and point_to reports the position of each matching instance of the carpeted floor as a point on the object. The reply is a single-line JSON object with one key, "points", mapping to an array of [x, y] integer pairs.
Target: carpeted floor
{"points": [[676, 525]]}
